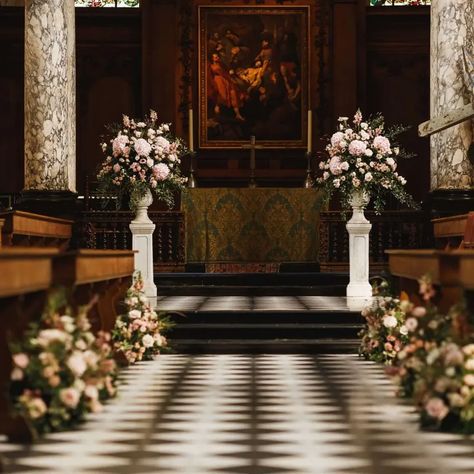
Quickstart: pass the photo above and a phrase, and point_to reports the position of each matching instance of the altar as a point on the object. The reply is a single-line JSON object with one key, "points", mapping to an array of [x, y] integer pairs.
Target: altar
{"points": [[260, 225]]}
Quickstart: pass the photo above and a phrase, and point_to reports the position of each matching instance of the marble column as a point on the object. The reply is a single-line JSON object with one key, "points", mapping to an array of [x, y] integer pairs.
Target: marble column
{"points": [[452, 86], [50, 96]]}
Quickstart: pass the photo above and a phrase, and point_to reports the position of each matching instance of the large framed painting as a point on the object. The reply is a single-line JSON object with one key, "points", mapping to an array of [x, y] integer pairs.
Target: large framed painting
{"points": [[253, 75]]}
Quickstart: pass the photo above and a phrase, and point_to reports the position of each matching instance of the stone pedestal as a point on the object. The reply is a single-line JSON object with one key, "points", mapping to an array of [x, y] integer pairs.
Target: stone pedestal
{"points": [[142, 229], [359, 227], [452, 86], [50, 96]]}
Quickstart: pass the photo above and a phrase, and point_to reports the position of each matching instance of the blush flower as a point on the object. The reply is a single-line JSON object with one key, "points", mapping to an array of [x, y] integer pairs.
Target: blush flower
{"points": [[161, 172], [357, 148], [382, 144], [21, 360], [435, 408], [142, 147], [70, 397]]}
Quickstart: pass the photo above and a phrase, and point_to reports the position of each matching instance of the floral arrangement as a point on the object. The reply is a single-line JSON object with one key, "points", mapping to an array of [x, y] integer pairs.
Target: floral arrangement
{"points": [[141, 155], [138, 334], [385, 332], [61, 371], [363, 157], [436, 366]]}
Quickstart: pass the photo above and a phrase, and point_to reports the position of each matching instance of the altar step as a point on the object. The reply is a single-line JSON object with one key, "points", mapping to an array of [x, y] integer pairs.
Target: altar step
{"points": [[306, 324], [251, 284]]}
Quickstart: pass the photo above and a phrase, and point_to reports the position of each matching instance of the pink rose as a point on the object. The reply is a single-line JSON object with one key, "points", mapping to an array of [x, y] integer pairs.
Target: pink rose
{"points": [[77, 364], [435, 408], [70, 397], [357, 148], [161, 171], [117, 168], [382, 144], [419, 311], [21, 360], [142, 147]]}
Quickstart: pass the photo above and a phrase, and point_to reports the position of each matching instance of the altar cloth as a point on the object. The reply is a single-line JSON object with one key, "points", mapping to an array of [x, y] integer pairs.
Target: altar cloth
{"points": [[252, 225]]}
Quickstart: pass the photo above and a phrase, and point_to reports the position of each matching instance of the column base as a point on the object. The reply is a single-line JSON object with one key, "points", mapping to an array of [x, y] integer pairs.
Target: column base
{"points": [[359, 290], [51, 203], [449, 202]]}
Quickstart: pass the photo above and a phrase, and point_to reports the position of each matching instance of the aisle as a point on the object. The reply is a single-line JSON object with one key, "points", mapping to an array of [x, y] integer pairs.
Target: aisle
{"points": [[289, 414]]}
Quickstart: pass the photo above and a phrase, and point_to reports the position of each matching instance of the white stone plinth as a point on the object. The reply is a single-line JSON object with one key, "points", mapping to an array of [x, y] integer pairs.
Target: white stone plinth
{"points": [[359, 228], [142, 229]]}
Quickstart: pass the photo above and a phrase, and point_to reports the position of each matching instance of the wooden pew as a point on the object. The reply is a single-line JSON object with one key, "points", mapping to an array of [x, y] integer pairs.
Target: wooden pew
{"points": [[106, 273], [454, 232], [26, 275], [27, 229], [451, 271]]}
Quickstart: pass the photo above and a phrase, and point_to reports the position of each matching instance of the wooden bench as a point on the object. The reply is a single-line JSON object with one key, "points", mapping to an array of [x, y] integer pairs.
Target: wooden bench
{"points": [[106, 273], [26, 277], [454, 232], [28, 229], [451, 271], [28, 273]]}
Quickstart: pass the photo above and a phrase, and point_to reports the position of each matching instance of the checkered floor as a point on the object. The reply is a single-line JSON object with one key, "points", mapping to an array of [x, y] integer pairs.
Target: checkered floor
{"points": [[288, 414], [260, 303]]}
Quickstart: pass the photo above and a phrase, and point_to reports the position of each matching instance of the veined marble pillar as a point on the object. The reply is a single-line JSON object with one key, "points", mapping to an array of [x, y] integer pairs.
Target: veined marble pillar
{"points": [[452, 86], [50, 96]]}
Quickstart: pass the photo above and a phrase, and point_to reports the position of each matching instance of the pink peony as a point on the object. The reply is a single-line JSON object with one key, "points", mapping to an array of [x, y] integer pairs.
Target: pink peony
{"points": [[142, 147], [161, 171], [21, 360], [435, 408], [119, 144], [337, 138], [357, 148], [335, 165], [70, 397], [382, 144]]}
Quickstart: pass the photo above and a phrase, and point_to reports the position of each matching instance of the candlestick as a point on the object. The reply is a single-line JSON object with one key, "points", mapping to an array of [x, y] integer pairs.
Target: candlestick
{"points": [[308, 182], [191, 130], [310, 131]]}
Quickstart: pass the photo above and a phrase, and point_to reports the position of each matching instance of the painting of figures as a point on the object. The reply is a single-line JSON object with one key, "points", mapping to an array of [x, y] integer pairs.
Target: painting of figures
{"points": [[252, 76]]}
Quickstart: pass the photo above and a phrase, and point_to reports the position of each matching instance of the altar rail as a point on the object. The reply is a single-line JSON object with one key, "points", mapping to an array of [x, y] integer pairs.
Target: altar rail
{"points": [[390, 230], [110, 230]]}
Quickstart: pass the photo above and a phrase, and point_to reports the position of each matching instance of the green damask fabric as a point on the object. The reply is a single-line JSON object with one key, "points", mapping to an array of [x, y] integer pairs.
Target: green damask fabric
{"points": [[252, 225]]}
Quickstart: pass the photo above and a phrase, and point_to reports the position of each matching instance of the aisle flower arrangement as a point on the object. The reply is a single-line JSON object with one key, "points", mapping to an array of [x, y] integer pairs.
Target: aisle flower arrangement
{"points": [[433, 363], [141, 156], [139, 332], [385, 332], [363, 157], [61, 371]]}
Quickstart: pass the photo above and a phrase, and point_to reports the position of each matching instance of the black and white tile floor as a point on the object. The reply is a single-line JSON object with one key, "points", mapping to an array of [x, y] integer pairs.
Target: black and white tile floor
{"points": [[260, 303], [288, 414]]}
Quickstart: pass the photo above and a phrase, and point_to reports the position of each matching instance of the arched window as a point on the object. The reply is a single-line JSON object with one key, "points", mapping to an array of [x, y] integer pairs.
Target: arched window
{"points": [[108, 3]]}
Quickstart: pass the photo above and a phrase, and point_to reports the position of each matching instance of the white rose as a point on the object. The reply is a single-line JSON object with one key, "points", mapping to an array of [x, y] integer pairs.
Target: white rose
{"points": [[150, 162], [134, 314], [404, 330], [390, 321], [368, 176], [148, 341], [77, 364], [469, 365], [91, 392], [369, 152], [325, 175], [364, 126], [344, 166], [336, 183]]}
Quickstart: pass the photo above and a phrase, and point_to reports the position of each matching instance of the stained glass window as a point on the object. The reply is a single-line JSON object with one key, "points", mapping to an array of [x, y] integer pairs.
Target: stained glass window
{"points": [[108, 3], [399, 3]]}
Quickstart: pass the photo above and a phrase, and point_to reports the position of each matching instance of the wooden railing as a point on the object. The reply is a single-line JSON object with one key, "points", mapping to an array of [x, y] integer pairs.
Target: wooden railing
{"points": [[390, 230], [109, 230]]}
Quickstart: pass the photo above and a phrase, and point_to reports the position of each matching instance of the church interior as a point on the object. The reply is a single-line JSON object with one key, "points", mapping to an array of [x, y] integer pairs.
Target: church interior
{"points": [[237, 236]]}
